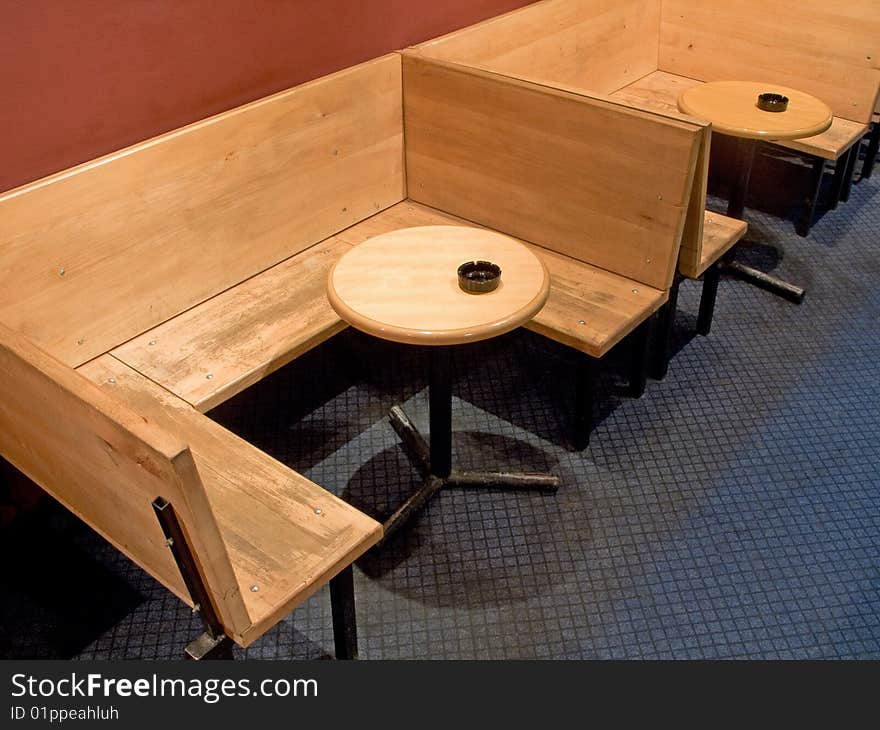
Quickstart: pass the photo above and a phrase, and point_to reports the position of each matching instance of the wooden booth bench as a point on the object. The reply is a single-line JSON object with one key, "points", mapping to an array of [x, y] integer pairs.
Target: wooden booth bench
{"points": [[146, 287], [643, 53]]}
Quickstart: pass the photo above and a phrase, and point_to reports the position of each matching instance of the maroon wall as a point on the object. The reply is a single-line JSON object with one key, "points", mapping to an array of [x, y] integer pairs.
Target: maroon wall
{"points": [[80, 78]]}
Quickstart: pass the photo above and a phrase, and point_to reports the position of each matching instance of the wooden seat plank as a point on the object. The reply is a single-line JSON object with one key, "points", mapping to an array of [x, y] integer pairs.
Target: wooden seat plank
{"points": [[658, 90], [720, 233], [220, 347], [832, 143], [590, 309], [285, 535]]}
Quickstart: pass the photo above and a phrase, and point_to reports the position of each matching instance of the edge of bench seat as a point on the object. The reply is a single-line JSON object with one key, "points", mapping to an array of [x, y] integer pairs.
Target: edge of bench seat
{"points": [[591, 309], [218, 348], [832, 143], [284, 534], [720, 234]]}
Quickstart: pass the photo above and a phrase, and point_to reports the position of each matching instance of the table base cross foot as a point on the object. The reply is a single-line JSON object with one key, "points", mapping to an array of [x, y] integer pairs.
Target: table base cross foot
{"points": [[745, 156], [434, 460]]}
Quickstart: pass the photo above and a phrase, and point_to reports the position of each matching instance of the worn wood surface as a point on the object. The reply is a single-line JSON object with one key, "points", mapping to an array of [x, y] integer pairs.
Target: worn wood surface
{"points": [[218, 348], [98, 254], [285, 535], [550, 166], [591, 309]]}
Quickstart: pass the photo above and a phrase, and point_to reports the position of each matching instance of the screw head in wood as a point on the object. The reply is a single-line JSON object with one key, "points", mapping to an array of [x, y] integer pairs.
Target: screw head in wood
{"points": [[209, 376], [255, 588], [317, 510], [112, 381]]}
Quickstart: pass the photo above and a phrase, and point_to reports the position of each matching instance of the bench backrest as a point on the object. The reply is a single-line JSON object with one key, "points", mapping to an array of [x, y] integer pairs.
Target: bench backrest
{"points": [[600, 45], [100, 253], [602, 183], [829, 48], [107, 464]]}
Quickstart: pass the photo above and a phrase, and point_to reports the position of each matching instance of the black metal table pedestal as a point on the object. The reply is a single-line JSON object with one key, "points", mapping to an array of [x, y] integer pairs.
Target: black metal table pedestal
{"points": [[434, 461], [745, 157]]}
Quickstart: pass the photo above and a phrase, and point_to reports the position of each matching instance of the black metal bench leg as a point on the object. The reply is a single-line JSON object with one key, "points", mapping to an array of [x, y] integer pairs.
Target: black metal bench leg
{"points": [[848, 173], [837, 180], [585, 377], [871, 152], [343, 610], [213, 642], [707, 299], [805, 222], [663, 332], [638, 364]]}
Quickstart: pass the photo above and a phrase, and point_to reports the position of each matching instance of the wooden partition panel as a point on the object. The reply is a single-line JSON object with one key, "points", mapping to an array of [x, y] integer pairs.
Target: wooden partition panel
{"points": [[597, 181], [829, 48], [96, 255], [599, 45], [106, 464]]}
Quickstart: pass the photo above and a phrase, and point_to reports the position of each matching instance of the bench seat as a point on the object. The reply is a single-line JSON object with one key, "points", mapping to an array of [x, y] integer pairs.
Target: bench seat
{"points": [[218, 348], [247, 332], [720, 232], [610, 306], [266, 512], [832, 143], [660, 91]]}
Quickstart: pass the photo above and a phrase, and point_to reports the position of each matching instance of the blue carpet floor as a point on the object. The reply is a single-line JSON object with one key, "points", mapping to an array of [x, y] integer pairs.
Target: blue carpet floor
{"points": [[731, 512]]}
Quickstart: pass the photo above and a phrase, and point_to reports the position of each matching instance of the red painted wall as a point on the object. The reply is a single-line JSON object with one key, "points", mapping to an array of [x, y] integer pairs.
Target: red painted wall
{"points": [[80, 78]]}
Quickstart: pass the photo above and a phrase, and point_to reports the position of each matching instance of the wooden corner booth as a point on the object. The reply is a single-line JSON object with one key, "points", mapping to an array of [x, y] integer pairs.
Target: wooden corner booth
{"points": [[143, 288], [645, 53]]}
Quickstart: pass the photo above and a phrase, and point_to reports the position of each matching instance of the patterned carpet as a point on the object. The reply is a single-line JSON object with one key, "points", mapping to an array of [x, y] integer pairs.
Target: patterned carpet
{"points": [[732, 511]]}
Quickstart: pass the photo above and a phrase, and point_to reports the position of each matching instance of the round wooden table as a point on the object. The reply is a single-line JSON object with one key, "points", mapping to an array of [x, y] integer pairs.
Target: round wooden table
{"points": [[731, 107], [403, 286]]}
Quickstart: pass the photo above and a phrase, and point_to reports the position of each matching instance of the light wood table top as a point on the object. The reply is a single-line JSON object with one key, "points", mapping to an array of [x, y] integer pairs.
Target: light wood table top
{"points": [[731, 107], [403, 286]]}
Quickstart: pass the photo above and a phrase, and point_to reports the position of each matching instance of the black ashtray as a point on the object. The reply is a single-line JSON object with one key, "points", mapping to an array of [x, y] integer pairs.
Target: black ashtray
{"points": [[479, 277], [772, 102]]}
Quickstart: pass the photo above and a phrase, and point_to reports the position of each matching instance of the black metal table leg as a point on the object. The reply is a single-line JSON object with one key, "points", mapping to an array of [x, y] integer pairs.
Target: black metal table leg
{"points": [[435, 460], [440, 411], [745, 157]]}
